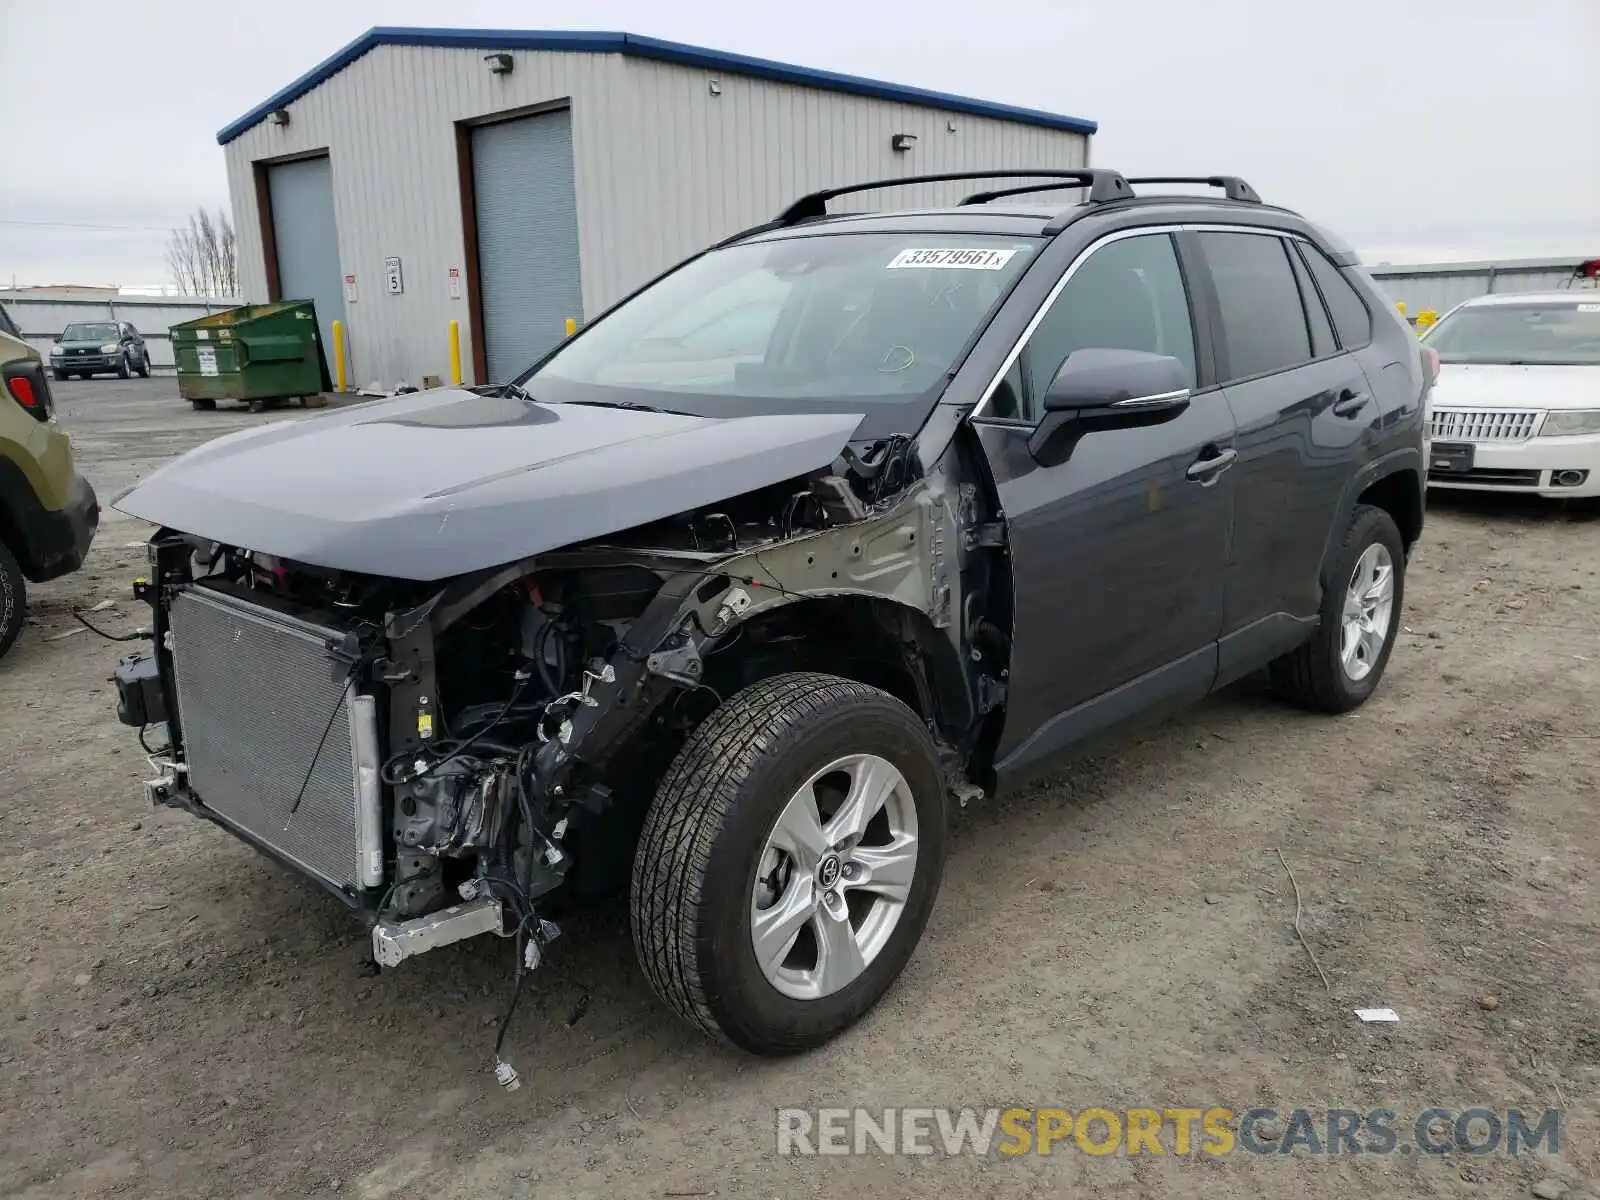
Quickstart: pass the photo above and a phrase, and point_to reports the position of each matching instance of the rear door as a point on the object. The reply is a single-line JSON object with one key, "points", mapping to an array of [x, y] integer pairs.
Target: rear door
{"points": [[1117, 553], [1303, 407]]}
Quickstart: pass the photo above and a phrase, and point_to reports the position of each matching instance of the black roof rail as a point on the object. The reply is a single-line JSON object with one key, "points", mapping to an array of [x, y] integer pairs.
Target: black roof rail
{"points": [[985, 197], [1103, 186], [1232, 186]]}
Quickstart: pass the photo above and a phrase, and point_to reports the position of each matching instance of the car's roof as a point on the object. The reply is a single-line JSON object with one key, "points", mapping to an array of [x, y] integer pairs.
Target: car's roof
{"points": [[1511, 299], [1033, 218]]}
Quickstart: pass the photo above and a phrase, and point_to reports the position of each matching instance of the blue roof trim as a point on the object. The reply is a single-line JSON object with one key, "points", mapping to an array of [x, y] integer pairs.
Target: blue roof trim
{"points": [[651, 48]]}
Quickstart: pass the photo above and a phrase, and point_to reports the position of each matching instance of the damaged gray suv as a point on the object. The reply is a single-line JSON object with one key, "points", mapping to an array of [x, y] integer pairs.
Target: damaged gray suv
{"points": [[730, 599]]}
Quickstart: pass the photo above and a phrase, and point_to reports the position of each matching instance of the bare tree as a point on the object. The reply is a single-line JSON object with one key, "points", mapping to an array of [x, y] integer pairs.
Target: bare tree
{"points": [[203, 257]]}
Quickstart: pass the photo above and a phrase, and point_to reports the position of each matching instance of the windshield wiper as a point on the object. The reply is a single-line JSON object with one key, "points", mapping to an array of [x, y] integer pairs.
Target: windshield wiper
{"points": [[629, 404], [515, 390]]}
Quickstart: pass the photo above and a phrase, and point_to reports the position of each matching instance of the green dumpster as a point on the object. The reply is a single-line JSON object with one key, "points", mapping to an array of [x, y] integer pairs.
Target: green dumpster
{"points": [[257, 353]]}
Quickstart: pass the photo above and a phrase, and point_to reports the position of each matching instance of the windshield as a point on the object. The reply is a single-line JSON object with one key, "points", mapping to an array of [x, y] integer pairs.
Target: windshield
{"points": [[841, 322], [89, 333], [1546, 334]]}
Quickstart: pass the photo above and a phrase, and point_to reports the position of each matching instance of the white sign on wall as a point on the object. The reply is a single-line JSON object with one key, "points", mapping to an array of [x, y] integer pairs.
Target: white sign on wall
{"points": [[349, 289], [455, 283], [391, 271]]}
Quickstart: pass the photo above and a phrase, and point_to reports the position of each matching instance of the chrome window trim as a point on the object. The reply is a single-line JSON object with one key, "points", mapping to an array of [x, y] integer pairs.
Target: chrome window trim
{"points": [[1153, 398], [1115, 236]]}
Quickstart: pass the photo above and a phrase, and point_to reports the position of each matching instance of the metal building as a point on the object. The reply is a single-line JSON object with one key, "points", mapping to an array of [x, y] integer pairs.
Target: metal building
{"points": [[1442, 286], [513, 180]]}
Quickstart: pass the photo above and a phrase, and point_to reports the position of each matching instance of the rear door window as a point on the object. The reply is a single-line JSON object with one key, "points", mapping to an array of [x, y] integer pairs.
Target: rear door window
{"points": [[1350, 315], [1263, 321]]}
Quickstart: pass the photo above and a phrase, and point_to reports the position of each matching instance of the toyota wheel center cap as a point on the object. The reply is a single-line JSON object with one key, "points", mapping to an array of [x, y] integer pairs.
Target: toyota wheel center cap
{"points": [[828, 871]]}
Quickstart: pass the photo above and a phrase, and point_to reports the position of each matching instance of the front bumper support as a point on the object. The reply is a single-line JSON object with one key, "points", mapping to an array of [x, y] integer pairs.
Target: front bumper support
{"points": [[395, 941]]}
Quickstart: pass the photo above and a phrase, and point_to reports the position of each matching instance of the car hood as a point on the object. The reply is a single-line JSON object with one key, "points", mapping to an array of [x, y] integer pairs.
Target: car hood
{"points": [[76, 344], [439, 483], [1496, 385]]}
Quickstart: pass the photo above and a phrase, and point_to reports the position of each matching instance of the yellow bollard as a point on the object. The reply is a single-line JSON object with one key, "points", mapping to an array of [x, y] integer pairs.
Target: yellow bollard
{"points": [[1426, 317], [572, 326], [455, 353], [338, 356]]}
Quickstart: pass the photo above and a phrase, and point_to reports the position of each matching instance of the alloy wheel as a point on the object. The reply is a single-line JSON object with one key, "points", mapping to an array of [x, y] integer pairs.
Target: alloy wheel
{"points": [[1368, 610], [834, 877]]}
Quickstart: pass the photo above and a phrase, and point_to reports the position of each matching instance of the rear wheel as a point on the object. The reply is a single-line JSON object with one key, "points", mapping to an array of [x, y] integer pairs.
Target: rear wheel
{"points": [[790, 861], [1344, 660], [13, 598]]}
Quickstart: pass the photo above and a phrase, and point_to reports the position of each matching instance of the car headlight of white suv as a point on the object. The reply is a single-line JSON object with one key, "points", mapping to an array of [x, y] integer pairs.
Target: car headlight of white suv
{"points": [[1571, 422]]}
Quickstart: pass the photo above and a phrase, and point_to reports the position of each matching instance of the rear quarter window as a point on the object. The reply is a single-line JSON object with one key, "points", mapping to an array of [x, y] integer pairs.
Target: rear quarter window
{"points": [[1349, 311]]}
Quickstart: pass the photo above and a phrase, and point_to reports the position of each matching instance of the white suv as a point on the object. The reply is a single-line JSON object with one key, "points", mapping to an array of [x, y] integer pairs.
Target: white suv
{"points": [[1516, 406]]}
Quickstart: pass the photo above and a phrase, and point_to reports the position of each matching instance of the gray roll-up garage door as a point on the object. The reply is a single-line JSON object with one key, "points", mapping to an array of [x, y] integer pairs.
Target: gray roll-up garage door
{"points": [[301, 194], [527, 213]]}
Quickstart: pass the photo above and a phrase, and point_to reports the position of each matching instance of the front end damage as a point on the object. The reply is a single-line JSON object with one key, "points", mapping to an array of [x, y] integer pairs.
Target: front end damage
{"points": [[476, 756]]}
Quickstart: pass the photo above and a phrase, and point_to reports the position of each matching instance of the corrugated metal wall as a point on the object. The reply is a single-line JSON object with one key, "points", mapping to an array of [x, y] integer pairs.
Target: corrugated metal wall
{"points": [[42, 318], [662, 167], [1442, 286]]}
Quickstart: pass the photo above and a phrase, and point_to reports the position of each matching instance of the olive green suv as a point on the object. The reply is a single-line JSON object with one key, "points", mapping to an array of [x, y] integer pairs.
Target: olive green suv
{"points": [[48, 512]]}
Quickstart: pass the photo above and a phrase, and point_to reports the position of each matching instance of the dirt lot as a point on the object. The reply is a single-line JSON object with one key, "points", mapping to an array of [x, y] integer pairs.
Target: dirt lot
{"points": [[179, 1017]]}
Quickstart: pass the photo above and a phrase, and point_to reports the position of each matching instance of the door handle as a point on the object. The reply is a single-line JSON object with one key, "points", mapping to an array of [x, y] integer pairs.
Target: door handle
{"points": [[1350, 402], [1206, 470]]}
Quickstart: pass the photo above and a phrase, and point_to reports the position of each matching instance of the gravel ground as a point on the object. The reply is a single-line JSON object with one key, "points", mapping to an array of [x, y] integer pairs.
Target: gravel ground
{"points": [[179, 1017]]}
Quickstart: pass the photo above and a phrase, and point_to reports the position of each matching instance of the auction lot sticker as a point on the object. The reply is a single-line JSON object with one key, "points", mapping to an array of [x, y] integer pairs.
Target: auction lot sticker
{"points": [[966, 260]]}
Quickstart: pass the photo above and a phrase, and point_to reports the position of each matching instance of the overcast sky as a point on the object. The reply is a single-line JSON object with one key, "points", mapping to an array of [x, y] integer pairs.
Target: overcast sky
{"points": [[1463, 129]]}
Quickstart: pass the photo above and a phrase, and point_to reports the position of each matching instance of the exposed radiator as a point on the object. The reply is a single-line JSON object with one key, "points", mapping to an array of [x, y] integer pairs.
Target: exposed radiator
{"points": [[256, 689], [1483, 425]]}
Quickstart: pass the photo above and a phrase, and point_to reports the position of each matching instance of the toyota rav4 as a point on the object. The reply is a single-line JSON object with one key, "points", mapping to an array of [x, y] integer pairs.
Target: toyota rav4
{"points": [[729, 599]]}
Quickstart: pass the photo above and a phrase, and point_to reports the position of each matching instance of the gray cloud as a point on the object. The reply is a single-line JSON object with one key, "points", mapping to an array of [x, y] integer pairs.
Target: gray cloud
{"points": [[1418, 131]]}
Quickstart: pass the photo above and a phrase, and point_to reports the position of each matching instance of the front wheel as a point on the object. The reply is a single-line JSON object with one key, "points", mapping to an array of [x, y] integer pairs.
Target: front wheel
{"points": [[144, 365], [1341, 665], [124, 368], [59, 374], [790, 861]]}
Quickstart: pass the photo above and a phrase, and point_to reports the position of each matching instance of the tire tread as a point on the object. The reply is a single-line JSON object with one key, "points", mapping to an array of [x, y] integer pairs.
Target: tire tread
{"points": [[13, 598]]}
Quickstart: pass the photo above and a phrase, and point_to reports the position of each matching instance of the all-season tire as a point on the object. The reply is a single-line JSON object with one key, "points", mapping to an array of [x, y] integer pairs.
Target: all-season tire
{"points": [[695, 871], [13, 599], [1314, 676], [124, 368], [144, 365], [60, 375]]}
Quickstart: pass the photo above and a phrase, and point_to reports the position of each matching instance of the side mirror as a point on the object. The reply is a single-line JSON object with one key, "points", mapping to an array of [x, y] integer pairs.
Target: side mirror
{"points": [[1098, 389]]}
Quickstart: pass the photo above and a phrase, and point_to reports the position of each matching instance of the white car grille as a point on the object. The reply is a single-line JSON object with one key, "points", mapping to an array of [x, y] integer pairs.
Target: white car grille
{"points": [[1483, 425]]}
